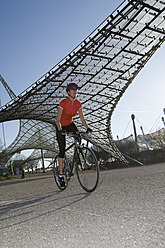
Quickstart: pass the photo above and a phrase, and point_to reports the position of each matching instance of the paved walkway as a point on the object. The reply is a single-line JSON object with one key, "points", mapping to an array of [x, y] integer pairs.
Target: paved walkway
{"points": [[126, 210]]}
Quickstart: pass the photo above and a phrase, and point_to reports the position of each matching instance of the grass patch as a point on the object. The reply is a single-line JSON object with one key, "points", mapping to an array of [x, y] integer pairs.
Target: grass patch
{"points": [[5, 178]]}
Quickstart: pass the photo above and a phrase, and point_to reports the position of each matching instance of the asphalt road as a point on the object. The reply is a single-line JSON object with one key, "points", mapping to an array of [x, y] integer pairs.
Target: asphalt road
{"points": [[126, 210]]}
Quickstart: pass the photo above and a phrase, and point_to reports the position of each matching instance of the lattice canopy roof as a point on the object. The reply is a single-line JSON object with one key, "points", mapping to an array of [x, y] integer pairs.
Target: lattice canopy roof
{"points": [[32, 135], [103, 66]]}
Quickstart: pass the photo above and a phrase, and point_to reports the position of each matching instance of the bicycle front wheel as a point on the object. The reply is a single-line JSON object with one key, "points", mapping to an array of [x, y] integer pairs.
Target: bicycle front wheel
{"points": [[87, 169]]}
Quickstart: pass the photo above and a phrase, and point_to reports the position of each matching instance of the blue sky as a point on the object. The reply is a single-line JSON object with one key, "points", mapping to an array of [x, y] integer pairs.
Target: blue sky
{"points": [[37, 34]]}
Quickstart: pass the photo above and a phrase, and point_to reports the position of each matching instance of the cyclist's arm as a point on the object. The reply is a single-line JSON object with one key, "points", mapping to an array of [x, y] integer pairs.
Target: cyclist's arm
{"points": [[80, 112], [59, 114]]}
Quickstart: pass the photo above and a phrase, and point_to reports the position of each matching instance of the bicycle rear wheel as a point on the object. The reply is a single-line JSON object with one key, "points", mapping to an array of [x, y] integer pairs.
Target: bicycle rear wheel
{"points": [[56, 172], [88, 169]]}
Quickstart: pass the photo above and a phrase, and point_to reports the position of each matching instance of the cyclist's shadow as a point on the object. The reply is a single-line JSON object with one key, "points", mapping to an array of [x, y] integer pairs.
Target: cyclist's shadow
{"points": [[38, 201], [81, 196]]}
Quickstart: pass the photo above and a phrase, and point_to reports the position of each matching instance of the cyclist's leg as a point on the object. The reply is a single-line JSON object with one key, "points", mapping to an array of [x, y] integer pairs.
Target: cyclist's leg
{"points": [[61, 164], [61, 139], [71, 128], [61, 182]]}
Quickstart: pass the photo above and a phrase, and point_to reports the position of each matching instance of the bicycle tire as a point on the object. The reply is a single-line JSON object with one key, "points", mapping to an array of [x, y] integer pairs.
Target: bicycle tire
{"points": [[56, 172], [88, 169]]}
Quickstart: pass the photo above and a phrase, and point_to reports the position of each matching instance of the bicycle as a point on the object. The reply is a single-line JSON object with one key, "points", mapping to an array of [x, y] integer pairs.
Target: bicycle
{"points": [[84, 162]]}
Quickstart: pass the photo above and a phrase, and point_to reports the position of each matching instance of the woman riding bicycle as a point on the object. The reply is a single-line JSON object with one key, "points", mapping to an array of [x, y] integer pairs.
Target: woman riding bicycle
{"points": [[66, 110]]}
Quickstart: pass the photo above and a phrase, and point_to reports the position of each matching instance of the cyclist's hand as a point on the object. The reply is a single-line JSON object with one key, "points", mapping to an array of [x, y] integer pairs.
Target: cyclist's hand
{"points": [[89, 130], [63, 132]]}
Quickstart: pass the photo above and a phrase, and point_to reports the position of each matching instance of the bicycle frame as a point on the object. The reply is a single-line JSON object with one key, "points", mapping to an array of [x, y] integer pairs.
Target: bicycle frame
{"points": [[85, 163], [76, 151]]}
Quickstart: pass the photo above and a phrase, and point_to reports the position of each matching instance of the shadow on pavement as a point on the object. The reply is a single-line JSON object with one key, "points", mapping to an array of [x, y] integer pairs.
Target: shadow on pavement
{"points": [[21, 206]]}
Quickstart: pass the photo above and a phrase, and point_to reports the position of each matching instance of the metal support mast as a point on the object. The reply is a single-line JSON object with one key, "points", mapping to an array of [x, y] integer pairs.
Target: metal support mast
{"points": [[8, 89]]}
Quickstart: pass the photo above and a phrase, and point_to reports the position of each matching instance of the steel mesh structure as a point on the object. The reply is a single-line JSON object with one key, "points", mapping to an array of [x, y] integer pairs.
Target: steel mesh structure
{"points": [[32, 135], [103, 66]]}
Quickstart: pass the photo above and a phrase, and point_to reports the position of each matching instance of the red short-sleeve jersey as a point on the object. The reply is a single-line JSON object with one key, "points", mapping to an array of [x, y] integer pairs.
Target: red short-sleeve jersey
{"points": [[69, 110]]}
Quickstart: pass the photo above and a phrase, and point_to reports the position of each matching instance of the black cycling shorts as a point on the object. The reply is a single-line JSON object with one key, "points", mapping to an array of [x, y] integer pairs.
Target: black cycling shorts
{"points": [[61, 139]]}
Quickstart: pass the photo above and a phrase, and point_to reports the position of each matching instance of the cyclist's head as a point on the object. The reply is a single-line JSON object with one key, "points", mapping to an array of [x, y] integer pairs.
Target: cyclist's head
{"points": [[71, 86]]}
